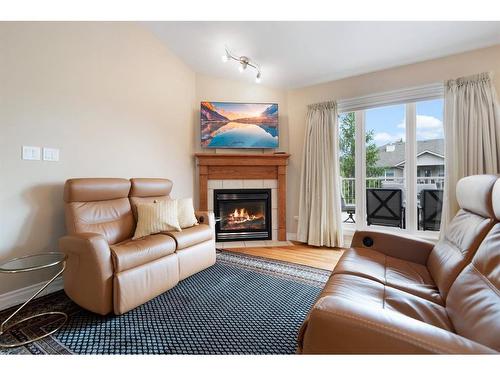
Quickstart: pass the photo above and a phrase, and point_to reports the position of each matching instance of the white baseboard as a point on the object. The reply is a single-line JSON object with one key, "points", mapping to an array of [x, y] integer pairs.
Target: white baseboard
{"points": [[291, 236], [19, 296]]}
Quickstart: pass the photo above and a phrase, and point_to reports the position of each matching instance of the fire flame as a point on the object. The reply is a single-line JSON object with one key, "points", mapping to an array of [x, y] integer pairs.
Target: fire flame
{"points": [[241, 215]]}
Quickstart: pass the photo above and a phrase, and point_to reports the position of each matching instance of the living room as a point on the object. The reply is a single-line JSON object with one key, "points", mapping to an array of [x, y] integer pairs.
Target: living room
{"points": [[249, 187]]}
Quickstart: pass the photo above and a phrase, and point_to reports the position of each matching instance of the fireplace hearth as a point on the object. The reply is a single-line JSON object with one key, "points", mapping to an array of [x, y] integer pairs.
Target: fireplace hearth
{"points": [[242, 214]]}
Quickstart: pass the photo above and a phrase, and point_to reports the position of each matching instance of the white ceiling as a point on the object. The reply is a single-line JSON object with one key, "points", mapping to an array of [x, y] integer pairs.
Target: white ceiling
{"points": [[295, 54]]}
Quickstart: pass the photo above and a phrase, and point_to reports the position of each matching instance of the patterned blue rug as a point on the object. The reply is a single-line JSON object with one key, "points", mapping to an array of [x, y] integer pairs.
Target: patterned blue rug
{"points": [[241, 305]]}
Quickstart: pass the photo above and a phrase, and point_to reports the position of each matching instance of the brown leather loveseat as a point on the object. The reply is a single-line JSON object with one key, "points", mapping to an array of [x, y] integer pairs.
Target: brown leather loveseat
{"points": [[106, 270], [394, 294]]}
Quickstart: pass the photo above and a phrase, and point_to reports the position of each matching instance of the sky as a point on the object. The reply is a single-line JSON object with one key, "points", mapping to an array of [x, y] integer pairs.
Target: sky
{"points": [[240, 110], [388, 122]]}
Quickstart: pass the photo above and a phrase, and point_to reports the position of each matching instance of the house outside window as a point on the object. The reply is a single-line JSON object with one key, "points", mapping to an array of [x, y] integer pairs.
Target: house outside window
{"points": [[430, 158]]}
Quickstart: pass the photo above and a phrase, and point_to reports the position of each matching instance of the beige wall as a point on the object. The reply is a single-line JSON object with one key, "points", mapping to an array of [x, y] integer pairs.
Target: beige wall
{"points": [[431, 71], [113, 99], [223, 90]]}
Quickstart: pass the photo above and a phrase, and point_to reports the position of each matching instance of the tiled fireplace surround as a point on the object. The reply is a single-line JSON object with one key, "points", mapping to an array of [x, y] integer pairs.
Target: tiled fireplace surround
{"points": [[248, 184], [252, 171]]}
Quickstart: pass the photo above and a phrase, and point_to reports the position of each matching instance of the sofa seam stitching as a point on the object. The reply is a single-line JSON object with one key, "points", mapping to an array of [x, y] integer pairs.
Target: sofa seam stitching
{"points": [[486, 280]]}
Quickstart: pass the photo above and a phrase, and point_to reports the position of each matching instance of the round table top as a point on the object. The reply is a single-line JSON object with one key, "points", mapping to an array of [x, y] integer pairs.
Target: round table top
{"points": [[32, 262]]}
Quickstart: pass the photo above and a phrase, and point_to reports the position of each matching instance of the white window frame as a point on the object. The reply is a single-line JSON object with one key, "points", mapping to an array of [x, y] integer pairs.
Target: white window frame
{"points": [[408, 97]]}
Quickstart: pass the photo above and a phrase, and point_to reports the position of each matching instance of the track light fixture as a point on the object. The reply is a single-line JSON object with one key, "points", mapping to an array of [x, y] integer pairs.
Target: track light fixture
{"points": [[244, 63]]}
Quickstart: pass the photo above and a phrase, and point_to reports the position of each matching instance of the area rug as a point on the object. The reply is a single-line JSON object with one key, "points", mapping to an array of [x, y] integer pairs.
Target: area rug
{"points": [[241, 305]]}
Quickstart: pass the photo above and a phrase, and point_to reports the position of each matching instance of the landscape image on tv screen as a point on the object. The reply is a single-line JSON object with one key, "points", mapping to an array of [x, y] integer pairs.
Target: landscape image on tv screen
{"points": [[239, 125]]}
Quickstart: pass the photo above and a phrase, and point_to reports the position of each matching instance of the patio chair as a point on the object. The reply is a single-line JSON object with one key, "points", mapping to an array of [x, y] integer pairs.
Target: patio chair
{"points": [[421, 187], [396, 185], [350, 209], [431, 202], [385, 207]]}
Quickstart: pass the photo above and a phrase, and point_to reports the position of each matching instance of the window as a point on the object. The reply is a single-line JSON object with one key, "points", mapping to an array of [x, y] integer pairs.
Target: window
{"points": [[392, 161], [389, 173]]}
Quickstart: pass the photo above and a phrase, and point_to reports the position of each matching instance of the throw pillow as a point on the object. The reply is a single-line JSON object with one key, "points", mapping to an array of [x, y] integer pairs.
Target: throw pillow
{"points": [[186, 215], [160, 216]]}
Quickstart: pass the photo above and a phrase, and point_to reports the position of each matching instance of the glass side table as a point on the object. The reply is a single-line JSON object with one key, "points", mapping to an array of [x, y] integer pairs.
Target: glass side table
{"points": [[31, 263]]}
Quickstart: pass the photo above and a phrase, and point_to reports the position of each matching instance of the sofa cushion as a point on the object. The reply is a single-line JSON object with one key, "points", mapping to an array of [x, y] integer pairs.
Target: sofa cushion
{"points": [[456, 248], [196, 258], [140, 284], [132, 253], [376, 295], [404, 275], [339, 326], [473, 302], [113, 219], [185, 213], [136, 201], [95, 189], [474, 194], [156, 217], [150, 187], [192, 236]]}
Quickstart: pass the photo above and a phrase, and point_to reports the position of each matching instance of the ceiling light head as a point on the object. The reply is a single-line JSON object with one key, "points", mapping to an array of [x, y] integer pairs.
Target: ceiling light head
{"points": [[244, 63], [227, 55]]}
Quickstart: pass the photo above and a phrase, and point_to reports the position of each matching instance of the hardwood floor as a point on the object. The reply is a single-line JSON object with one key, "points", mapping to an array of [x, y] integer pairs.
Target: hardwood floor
{"points": [[320, 257]]}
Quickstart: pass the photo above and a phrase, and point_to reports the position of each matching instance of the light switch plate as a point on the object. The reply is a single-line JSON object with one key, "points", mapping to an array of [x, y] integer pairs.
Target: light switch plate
{"points": [[31, 153], [50, 154]]}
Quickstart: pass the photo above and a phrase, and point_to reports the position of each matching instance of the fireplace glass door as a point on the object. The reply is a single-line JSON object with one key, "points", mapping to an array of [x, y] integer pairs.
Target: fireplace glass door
{"points": [[243, 214]]}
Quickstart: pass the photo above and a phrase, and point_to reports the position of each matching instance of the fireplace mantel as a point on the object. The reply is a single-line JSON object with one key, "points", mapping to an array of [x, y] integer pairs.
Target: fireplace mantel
{"points": [[245, 167]]}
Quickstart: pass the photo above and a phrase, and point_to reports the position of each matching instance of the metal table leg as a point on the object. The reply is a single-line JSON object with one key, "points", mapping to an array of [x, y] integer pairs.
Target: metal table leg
{"points": [[4, 328]]}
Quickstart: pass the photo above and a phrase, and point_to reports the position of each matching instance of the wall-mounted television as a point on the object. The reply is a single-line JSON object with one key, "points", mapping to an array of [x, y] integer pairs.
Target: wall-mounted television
{"points": [[239, 125]]}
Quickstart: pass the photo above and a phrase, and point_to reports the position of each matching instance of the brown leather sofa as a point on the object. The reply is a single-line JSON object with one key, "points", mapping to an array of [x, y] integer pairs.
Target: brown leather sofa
{"points": [[398, 295], [106, 270]]}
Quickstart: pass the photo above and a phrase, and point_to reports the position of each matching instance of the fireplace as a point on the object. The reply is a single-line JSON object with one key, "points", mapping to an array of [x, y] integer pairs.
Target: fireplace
{"points": [[242, 214]]}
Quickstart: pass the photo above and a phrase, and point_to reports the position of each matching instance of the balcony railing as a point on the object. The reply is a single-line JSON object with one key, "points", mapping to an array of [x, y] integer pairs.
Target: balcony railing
{"points": [[348, 184]]}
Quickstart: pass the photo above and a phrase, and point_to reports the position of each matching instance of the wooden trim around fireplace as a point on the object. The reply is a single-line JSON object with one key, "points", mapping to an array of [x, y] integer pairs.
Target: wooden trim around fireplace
{"points": [[245, 167]]}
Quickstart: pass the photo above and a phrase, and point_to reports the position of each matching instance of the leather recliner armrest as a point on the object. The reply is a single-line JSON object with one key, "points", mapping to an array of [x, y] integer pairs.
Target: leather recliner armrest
{"points": [[397, 246], [337, 325], [88, 278], [206, 217]]}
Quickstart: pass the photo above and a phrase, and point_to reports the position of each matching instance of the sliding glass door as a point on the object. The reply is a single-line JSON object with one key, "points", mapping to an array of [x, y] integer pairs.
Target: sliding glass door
{"points": [[392, 166]]}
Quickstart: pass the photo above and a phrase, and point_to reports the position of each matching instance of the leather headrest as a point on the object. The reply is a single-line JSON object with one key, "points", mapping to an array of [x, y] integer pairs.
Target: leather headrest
{"points": [[95, 189], [496, 199], [150, 187], [474, 193]]}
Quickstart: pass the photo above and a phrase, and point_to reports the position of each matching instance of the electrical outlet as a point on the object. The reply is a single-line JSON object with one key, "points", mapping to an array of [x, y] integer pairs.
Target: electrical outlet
{"points": [[31, 153], [50, 154]]}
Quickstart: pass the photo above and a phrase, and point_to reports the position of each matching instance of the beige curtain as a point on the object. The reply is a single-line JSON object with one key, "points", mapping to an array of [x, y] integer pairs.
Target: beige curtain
{"points": [[472, 134], [320, 222]]}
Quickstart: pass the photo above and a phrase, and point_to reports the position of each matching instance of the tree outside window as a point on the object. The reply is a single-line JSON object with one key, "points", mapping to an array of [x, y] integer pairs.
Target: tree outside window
{"points": [[347, 149]]}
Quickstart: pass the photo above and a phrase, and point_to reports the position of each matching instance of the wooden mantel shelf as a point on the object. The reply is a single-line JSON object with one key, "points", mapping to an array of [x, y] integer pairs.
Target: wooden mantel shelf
{"points": [[245, 167], [242, 159]]}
